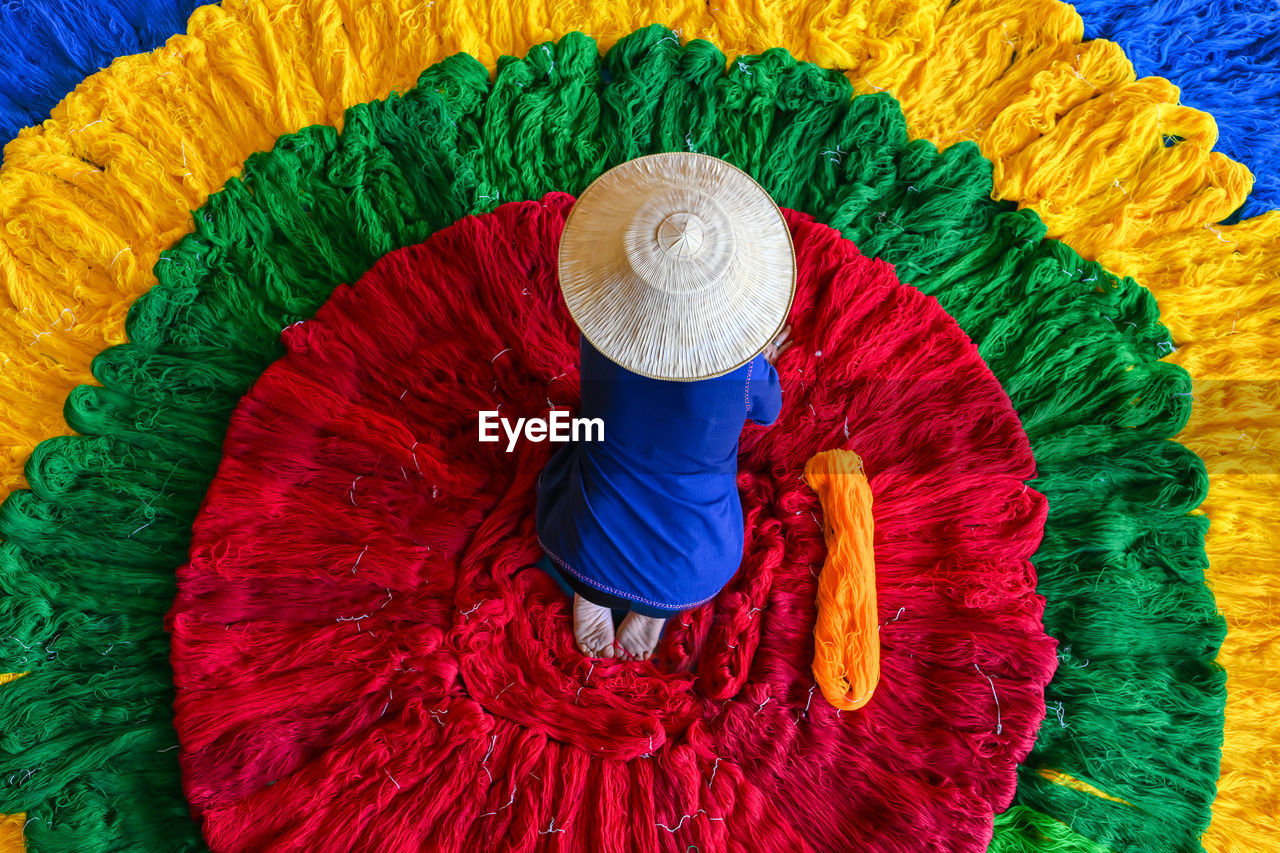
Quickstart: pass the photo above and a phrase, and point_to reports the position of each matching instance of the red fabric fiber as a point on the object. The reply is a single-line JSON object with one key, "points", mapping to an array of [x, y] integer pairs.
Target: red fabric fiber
{"points": [[366, 660]]}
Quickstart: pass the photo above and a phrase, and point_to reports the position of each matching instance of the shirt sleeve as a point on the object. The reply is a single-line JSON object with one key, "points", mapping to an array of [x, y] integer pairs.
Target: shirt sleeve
{"points": [[764, 392]]}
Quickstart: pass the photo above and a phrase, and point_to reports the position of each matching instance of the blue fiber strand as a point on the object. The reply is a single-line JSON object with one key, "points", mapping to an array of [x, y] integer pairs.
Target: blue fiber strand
{"points": [[48, 46], [1224, 56]]}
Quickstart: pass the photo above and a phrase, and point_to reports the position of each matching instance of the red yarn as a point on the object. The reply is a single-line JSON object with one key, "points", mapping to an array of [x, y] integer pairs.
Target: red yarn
{"points": [[365, 659]]}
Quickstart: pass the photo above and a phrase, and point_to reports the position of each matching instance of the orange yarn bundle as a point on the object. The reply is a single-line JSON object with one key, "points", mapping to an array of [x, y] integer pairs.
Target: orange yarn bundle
{"points": [[846, 660]]}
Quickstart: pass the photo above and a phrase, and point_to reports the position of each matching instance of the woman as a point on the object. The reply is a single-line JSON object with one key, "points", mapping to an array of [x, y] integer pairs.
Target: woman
{"points": [[679, 271]]}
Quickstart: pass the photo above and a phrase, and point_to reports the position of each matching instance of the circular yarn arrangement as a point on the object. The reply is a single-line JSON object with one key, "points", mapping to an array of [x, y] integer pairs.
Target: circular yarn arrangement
{"points": [[360, 631], [1076, 349]]}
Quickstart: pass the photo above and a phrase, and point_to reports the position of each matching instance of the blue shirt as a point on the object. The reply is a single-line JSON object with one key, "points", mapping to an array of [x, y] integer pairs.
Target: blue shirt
{"points": [[652, 513]]}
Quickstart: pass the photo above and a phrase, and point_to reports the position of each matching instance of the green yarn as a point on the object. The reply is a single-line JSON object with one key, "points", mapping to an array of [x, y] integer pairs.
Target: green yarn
{"points": [[1023, 830], [86, 573]]}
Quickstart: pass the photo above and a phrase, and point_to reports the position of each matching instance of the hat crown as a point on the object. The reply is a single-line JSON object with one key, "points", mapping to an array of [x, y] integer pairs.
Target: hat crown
{"points": [[682, 236], [680, 241]]}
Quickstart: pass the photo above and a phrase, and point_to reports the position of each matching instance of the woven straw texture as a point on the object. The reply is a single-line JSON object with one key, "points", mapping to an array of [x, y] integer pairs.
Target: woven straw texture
{"points": [[677, 266]]}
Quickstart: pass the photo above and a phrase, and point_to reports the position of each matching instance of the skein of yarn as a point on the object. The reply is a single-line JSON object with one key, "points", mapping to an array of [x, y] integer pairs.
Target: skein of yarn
{"points": [[846, 660]]}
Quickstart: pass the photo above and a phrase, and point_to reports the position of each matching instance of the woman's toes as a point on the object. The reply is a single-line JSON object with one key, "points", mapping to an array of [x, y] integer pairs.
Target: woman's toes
{"points": [[592, 628], [638, 635]]}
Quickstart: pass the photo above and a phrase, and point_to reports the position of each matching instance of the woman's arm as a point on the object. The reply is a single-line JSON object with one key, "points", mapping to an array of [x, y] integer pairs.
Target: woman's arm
{"points": [[764, 389]]}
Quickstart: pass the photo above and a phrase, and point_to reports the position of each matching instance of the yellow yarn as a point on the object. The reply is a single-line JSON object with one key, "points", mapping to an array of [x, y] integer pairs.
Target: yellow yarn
{"points": [[846, 635], [1070, 130], [1060, 778], [11, 840]]}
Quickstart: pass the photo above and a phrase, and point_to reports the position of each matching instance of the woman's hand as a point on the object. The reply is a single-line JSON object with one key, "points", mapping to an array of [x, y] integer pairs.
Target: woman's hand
{"points": [[778, 346]]}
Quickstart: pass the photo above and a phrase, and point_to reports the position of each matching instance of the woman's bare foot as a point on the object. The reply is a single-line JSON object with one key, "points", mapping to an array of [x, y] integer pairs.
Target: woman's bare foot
{"points": [[592, 628], [638, 635]]}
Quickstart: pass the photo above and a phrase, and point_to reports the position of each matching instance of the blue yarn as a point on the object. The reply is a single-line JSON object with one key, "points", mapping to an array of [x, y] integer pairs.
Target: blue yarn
{"points": [[49, 46], [1224, 55]]}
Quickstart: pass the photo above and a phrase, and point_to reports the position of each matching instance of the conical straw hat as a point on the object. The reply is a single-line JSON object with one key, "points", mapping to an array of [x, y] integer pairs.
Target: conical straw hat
{"points": [[677, 266]]}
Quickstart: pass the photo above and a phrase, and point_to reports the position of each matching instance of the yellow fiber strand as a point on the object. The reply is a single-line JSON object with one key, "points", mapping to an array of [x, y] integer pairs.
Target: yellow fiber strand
{"points": [[1071, 131], [846, 659], [1243, 548], [1059, 778], [11, 840]]}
